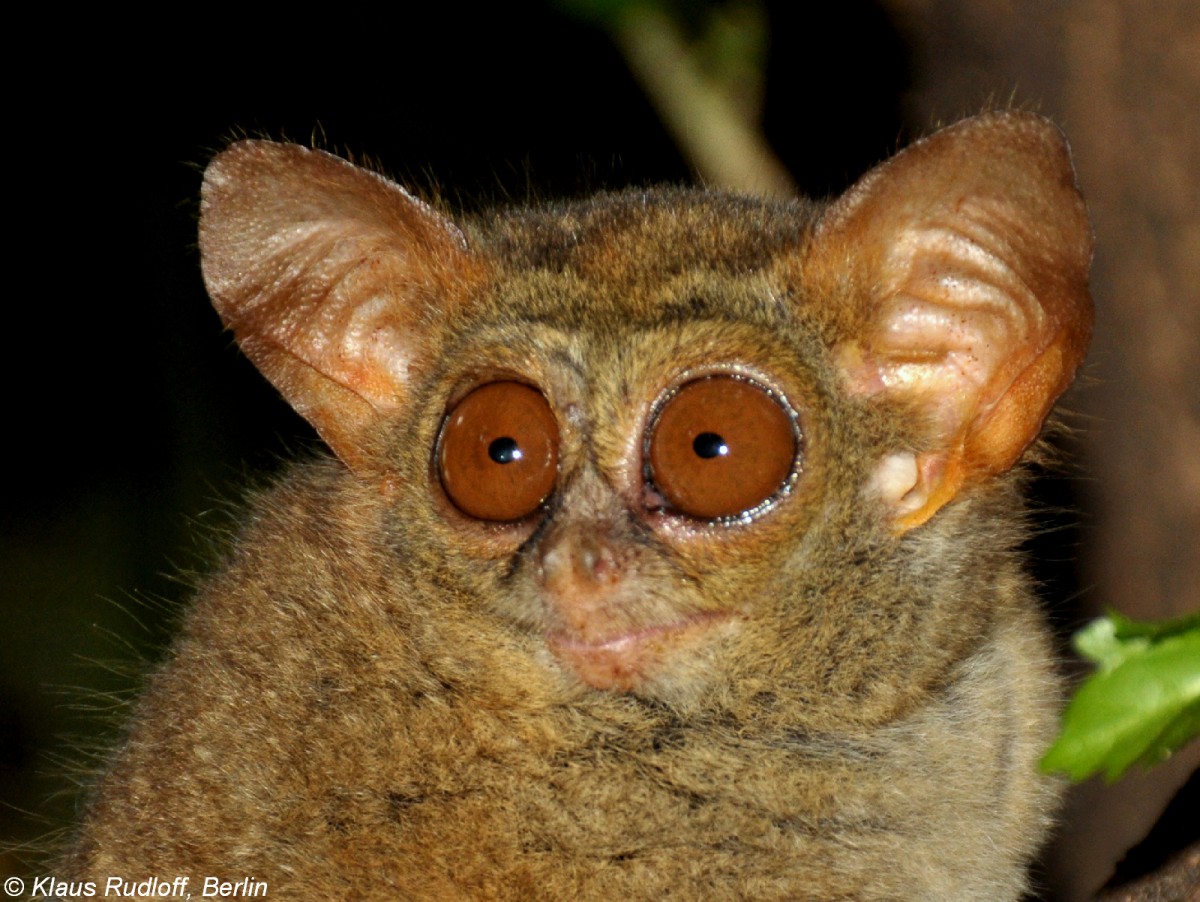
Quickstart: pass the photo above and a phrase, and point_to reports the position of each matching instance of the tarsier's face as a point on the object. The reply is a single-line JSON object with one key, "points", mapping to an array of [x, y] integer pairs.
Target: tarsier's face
{"points": [[630, 487], [672, 440]]}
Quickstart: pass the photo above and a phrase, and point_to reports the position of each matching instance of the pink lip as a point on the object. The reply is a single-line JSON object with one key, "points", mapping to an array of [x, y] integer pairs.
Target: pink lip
{"points": [[624, 660]]}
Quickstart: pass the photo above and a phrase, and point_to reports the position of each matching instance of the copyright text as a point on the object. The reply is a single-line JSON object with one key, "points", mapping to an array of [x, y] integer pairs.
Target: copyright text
{"points": [[147, 888]]}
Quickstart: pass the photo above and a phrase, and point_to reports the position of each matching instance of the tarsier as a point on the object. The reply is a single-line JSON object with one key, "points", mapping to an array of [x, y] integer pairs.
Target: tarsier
{"points": [[670, 549]]}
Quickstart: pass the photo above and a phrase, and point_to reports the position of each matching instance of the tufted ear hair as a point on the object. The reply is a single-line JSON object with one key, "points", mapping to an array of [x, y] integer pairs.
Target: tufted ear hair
{"points": [[966, 259], [331, 278]]}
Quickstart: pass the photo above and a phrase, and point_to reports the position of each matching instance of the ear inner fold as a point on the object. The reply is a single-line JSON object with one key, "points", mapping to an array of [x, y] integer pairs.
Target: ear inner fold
{"points": [[966, 260], [328, 276]]}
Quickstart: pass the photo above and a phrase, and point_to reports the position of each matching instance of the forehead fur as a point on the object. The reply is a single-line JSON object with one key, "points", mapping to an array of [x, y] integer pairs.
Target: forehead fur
{"points": [[652, 255]]}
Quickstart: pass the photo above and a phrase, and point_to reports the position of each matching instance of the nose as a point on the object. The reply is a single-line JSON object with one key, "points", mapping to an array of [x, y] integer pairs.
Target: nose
{"points": [[579, 559]]}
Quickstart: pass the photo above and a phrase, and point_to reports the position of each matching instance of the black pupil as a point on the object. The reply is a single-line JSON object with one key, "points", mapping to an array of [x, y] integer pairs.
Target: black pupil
{"points": [[504, 450], [709, 445]]}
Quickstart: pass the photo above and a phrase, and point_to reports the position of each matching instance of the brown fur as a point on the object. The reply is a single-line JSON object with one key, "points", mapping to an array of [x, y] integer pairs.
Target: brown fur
{"points": [[363, 703]]}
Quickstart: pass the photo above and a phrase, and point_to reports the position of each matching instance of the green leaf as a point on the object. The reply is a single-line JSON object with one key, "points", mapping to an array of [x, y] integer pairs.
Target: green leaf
{"points": [[1098, 643], [1153, 629], [1142, 703]]}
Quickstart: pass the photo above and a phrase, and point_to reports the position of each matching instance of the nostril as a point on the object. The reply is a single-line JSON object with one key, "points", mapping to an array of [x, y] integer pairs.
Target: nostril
{"points": [[602, 564], [550, 565]]}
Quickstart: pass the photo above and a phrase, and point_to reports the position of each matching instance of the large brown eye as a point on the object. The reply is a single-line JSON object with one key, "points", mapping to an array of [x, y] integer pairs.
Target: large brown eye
{"points": [[498, 452], [720, 447]]}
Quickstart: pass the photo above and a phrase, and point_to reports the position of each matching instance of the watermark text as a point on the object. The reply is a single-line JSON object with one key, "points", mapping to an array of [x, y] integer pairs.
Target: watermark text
{"points": [[49, 887]]}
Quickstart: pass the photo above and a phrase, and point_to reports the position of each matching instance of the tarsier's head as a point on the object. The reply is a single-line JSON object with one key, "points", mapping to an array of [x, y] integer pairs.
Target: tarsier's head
{"points": [[665, 439]]}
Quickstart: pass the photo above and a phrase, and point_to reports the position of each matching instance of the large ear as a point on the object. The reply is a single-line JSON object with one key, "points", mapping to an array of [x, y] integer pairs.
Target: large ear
{"points": [[966, 258], [330, 277]]}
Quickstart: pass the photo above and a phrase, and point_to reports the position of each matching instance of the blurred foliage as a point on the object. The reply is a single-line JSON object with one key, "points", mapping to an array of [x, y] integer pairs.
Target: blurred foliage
{"points": [[727, 41], [1141, 704]]}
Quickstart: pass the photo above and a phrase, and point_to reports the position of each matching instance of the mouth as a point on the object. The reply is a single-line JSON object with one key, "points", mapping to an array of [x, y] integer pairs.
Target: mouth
{"points": [[623, 661]]}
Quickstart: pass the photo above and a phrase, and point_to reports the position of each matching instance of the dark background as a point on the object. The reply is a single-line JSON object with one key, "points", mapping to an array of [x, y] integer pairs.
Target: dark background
{"points": [[132, 421]]}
